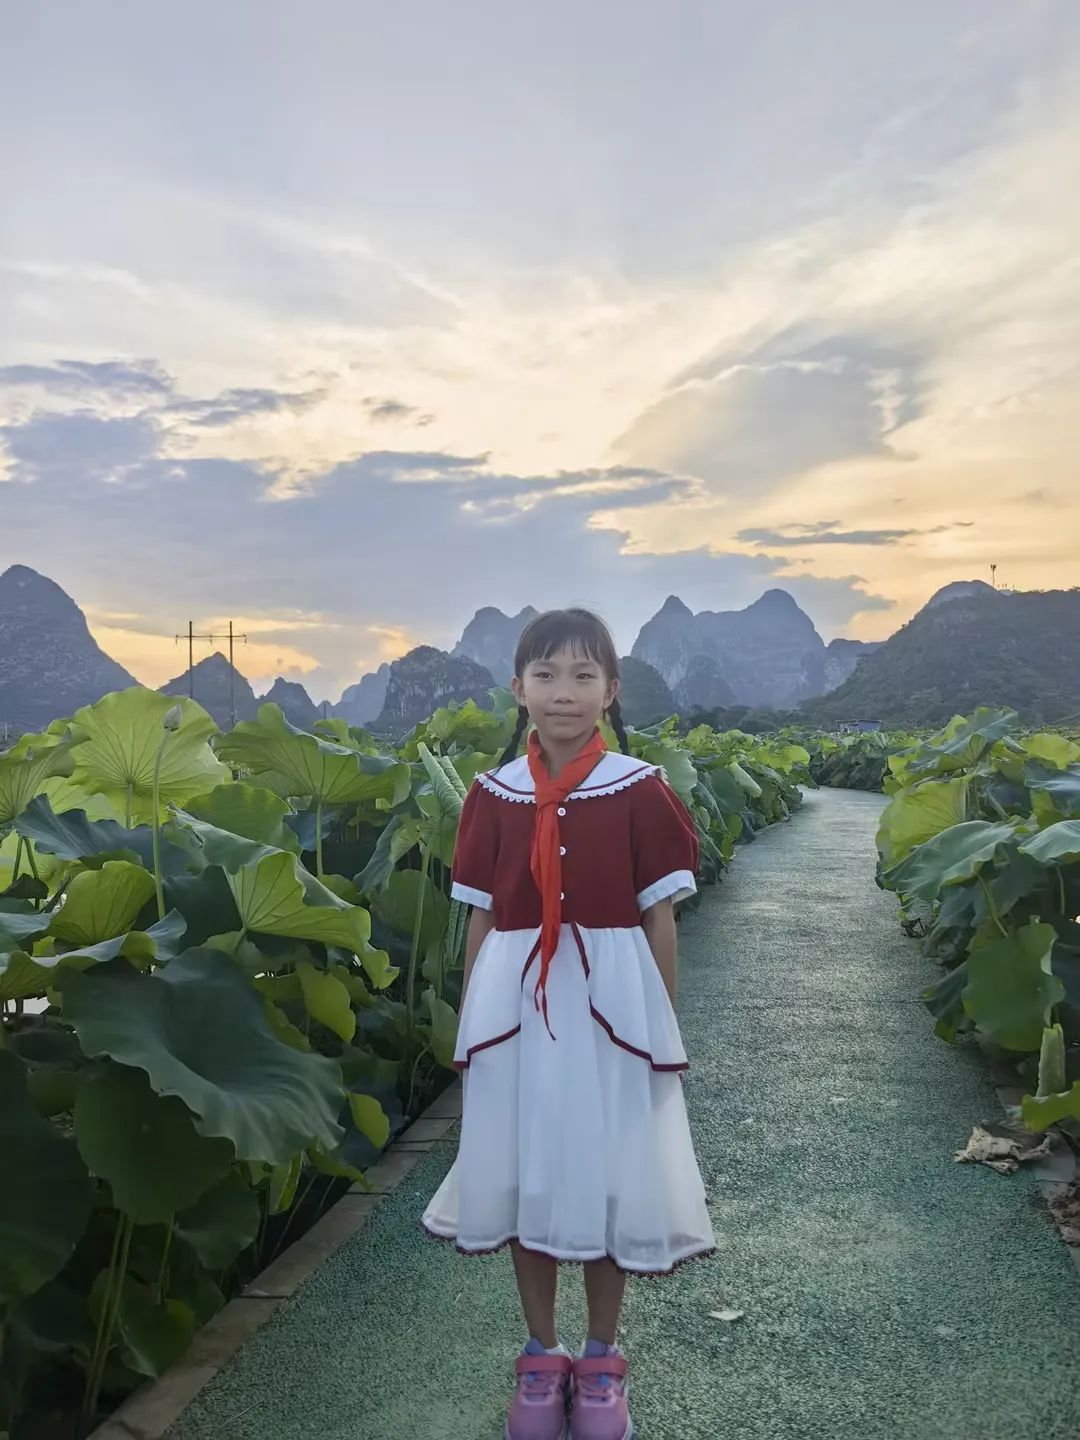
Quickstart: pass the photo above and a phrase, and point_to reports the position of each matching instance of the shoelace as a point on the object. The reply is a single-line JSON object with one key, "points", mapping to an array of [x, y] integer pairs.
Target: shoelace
{"points": [[595, 1387], [537, 1385]]}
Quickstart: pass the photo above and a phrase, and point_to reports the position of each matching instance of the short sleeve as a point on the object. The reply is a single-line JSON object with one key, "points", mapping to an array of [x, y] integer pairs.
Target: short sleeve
{"points": [[665, 844], [472, 876]]}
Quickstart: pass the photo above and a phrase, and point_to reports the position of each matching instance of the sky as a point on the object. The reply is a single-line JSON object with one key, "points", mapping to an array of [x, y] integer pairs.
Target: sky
{"points": [[341, 320]]}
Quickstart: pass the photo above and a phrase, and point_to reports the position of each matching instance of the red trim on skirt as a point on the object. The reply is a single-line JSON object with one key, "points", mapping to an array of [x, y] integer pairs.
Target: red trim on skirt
{"points": [[601, 1020]]}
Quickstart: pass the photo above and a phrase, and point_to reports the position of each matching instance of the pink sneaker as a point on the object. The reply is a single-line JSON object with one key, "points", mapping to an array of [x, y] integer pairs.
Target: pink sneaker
{"points": [[538, 1411], [600, 1390]]}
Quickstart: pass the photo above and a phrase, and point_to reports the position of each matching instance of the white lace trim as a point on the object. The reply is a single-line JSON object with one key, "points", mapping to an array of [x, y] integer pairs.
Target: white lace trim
{"points": [[514, 782]]}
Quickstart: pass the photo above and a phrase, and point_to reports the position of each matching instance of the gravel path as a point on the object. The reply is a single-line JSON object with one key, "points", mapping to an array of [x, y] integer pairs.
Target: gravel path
{"points": [[887, 1291]]}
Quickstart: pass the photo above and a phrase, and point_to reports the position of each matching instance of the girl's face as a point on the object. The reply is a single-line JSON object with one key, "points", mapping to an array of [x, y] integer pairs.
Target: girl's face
{"points": [[565, 695]]}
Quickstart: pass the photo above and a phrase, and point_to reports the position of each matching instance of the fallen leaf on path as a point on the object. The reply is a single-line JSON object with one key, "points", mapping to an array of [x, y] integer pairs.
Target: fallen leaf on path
{"points": [[1004, 1147], [726, 1314]]}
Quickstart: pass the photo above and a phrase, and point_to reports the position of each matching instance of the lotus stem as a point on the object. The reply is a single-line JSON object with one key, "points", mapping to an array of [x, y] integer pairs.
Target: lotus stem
{"points": [[156, 830], [298, 1200], [1061, 888], [18, 859], [415, 952], [165, 1261], [103, 1342], [318, 839], [991, 907], [127, 808]]}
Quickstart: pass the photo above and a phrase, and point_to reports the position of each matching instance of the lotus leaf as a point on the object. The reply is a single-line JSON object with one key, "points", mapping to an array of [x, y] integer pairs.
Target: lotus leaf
{"points": [[102, 904], [73, 836], [25, 769], [1056, 845], [199, 1031], [954, 855], [144, 1145], [917, 814], [1039, 1112], [117, 751], [222, 1222], [248, 810], [1011, 988], [292, 762], [46, 1197], [327, 1000]]}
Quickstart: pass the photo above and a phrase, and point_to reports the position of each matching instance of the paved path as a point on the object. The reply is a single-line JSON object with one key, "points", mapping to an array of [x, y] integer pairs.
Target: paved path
{"points": [[887, 1290]]}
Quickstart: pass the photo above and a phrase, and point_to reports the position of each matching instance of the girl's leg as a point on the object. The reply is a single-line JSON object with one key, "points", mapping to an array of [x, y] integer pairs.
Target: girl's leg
{"points": [[537, 1281], [605, 1284]]}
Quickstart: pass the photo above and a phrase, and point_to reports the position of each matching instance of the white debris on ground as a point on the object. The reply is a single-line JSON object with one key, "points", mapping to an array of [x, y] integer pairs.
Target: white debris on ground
{"points": [[1005, 1146]]}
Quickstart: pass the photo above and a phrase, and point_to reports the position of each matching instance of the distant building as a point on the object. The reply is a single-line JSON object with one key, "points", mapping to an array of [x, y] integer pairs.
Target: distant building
{"points": [[847, 727]]}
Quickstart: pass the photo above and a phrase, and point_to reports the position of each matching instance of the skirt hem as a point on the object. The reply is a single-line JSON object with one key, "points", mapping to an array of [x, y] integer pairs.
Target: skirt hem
{"points": [[703, 1254]]}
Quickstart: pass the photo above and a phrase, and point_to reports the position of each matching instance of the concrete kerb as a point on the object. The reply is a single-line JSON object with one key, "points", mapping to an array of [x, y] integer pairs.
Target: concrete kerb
{"points": [[148, 1413]]}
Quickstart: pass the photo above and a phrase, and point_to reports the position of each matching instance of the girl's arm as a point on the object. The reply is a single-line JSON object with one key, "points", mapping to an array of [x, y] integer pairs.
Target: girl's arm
{"points": [[481, 923], [658, 922]]}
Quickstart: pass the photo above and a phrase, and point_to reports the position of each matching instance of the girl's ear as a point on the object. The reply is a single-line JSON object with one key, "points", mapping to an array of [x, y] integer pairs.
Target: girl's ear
{"points": [[612, 693], [518, 689]]}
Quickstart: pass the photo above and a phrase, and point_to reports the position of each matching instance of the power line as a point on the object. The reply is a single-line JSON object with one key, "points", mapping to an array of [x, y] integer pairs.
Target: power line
{"points": [[211, 636]]}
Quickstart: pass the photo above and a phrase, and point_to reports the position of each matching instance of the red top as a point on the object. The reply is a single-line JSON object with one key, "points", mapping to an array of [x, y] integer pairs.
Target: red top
{"points": [[617, 846]]}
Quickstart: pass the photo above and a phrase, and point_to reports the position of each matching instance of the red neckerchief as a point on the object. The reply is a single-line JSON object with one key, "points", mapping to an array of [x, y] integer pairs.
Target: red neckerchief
{"points": [[545, 862]]}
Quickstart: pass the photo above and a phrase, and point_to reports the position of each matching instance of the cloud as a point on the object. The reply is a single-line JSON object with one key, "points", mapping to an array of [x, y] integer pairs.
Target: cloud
{"points": [[389, 544], [78, 447], [75, 377], [241, 404], [746, 423], [828, 532]]}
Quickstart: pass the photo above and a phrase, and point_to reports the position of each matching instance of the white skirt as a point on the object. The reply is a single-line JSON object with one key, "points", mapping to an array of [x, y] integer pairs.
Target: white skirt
{"points": [[578, 1147]]}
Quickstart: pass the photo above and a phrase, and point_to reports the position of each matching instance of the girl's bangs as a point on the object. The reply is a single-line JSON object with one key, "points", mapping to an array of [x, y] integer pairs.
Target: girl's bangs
{"points": [[582, 635]]}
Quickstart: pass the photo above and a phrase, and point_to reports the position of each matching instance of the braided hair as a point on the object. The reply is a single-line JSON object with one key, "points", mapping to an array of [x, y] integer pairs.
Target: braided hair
{"points": [[578, 630]]}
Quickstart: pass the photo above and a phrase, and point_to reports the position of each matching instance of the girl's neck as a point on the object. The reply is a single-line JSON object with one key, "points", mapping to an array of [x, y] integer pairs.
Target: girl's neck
{"points": [[558, 753]]}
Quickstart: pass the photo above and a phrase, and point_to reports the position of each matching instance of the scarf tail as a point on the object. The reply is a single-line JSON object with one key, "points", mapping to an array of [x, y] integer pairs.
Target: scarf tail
{"points": [[545, 863]]}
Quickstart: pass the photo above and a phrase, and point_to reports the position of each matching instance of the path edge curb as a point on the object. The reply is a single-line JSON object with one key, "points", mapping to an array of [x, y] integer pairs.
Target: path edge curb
{"points": [[150, 1411]]}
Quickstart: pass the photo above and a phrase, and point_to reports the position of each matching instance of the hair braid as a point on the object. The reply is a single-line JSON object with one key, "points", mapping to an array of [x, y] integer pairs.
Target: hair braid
{"points": [[617, 724], [511, 750]]}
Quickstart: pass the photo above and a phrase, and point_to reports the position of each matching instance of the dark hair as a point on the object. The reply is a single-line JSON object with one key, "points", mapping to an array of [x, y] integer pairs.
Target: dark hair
{"points": [[581, 632]]}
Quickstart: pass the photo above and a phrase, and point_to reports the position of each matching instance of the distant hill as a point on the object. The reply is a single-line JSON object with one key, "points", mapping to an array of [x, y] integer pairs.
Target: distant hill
{"points": [[296, 704], [211, 690], [970, 645], [766, 654], [362, 703], [490, 638], [50, 664], [643, 695], [841, 658], [426, 679]]}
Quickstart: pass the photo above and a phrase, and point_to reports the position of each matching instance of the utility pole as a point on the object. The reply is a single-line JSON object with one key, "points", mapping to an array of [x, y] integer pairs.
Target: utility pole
{"points": [[191, 638], [211, 636], [993, 576], [232, 675]]}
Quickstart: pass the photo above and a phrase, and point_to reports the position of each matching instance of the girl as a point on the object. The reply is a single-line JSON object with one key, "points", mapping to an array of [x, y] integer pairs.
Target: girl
{"points": [[574, 1142]]}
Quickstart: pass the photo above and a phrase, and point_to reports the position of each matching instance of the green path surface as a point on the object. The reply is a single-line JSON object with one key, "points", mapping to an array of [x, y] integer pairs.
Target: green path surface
{"points": [[887, 1290]]}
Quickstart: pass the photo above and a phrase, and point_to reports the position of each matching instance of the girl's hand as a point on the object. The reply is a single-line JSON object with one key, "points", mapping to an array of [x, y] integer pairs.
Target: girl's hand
{"points": [[658, 922]]}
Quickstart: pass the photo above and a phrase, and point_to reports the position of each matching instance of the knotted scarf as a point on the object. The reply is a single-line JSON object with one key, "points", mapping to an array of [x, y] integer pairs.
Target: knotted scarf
{"points": [[545, 861]]}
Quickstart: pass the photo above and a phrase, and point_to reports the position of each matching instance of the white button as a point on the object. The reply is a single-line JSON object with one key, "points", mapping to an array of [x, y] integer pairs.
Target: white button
{"points": [[562, 849], [562, 895], [562, 809]]}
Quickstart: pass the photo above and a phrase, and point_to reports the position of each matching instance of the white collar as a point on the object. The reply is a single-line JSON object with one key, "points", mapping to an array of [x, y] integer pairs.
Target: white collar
{"points": [[614, 772]]}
